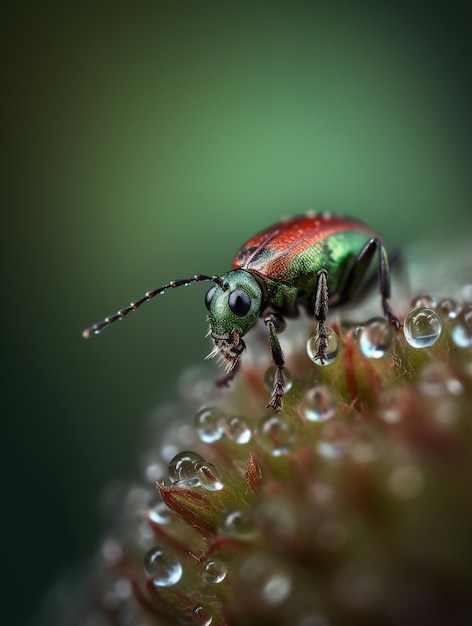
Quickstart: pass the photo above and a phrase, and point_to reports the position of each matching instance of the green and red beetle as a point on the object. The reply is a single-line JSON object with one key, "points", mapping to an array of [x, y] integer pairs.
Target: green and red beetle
{"points": [[314, 261]]}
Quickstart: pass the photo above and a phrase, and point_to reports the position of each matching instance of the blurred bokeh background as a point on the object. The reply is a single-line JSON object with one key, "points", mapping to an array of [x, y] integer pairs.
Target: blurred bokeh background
{"points": [[145, 142]]}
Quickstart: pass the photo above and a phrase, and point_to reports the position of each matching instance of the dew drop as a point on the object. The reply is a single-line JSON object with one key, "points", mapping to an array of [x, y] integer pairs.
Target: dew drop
{"points": [[238, 525], [162, 566], [334, 441], [209, 424], [437, 380], [461, 330], [270, 375], [202, 615], [275, 435], [184, 466], [376, 338], [209, 476], [332, 350], [424, 301], [318, 404], [422, 328], [265, 579], [158, 513], [214, 571], [448, 307], [237, 429]]}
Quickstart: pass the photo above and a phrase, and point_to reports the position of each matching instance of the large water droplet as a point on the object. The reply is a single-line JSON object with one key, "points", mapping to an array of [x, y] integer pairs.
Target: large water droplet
{"points": [[209, 476], [184, 466], [209, 424], [214, 571], [422, 328], [275, 434], [270, 375], [237, 429], [376, 338], [461, 329], [162, 566], [318, 404], [312, 346]]}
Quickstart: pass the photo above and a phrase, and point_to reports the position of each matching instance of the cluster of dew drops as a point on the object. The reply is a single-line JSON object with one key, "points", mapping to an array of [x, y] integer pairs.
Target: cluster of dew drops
{"points": [[422, 327]]}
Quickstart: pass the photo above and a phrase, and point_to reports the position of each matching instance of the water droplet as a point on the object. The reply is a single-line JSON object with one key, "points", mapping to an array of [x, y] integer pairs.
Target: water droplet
{"points": [[209, 476], [277, 518], [466, 292], [318, 404], [422, 302], [422, 328], [202, 615], [158, 512], [111, 551], [275, 434], [214, 571], [376, 338], [162, 566], [405, 482], [392, 406], [264, 578], [209, 424], [334, 441], [270, 375], [461, 329], [184, 466], [448, 307], [312, 346], [437, 380], [238, 525], [237, 429]]}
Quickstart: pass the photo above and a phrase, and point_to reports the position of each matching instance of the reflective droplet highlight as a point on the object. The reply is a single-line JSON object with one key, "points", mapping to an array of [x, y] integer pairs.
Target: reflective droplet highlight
{"points": [[422, 327], [461, 329], [376, 338], [209, 476], [209, 424], [312, 346], [214, 571], [162, 566], [265, 579], [184, 466], [318, 404], [270, 375], [275, 434]]}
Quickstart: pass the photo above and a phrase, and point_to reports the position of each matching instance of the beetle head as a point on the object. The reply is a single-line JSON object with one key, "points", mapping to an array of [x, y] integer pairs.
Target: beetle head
{"points": [[234, 305]]}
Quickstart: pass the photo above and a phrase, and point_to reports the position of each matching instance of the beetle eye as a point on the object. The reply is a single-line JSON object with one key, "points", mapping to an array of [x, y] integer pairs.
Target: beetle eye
{"points": [[209, 296], [239, 302]]}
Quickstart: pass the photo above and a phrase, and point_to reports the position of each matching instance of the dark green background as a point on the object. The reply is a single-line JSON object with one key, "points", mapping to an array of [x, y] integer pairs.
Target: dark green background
{"points": [[145, 142]]}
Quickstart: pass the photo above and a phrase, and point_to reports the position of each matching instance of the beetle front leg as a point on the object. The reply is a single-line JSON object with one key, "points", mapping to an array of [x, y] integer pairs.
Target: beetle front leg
{"points": [[320, 311], [274, 324]]}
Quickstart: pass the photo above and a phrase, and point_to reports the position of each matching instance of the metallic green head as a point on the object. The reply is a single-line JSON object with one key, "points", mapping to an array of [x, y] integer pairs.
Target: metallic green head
{"points": [[233, 307]]}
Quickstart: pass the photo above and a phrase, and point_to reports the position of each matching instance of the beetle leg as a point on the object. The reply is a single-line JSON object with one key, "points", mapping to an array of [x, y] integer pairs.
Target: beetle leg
{"points": [[273, 324], [224, 381], [359, 270], [321, 313]]}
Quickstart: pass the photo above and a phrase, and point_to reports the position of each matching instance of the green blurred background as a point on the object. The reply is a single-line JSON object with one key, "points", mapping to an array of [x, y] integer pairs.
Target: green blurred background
{"points": [[145, 142]]}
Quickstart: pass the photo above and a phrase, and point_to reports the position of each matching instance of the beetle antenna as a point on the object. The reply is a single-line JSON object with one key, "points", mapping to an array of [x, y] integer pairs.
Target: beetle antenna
{"points": [[99, 326]]}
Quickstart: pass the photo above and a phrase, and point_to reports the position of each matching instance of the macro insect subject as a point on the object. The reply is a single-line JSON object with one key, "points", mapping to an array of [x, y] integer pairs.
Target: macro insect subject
{"points": [[314, 261]]}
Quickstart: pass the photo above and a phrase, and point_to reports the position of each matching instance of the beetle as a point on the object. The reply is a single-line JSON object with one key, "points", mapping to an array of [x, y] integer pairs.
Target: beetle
{"points": [[312, 261]]}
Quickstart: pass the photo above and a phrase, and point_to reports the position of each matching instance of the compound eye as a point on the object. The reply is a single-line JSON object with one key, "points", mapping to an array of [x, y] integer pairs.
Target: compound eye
{"points": [[239, 302], [209, 296]]}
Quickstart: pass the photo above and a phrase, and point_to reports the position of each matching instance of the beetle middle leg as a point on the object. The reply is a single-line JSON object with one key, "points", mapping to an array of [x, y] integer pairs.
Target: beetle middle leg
{"points": [[359, 271], [320, 311], [275, 323]]}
